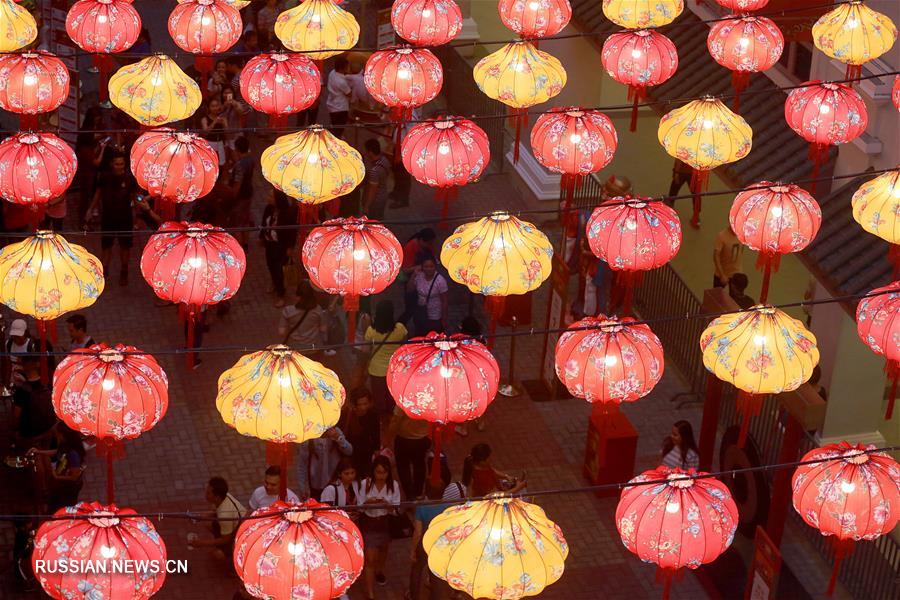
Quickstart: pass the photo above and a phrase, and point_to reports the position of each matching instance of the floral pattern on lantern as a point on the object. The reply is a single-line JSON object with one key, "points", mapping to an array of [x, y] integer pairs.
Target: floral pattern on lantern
{"points": [[312, 165], [684, 522], [279, 395], [44, 276], [634, 233], [607, 360], [174, 166], [826, 113], [426, 22], [352, 257], [876, 206], [108, 534], [443, 379], [854, 34], [745, 44], [205, 26], [17, 27], [35, 168], [103, 26], [879, 328], [287, 551], [32, 82], [403, 78], [895, 92], [319, 28], [519, 75], [154, 91], [500, 548], [641, 14], [280, 84], [535, 18], [743, 6], [498, 255], [110, 393]]}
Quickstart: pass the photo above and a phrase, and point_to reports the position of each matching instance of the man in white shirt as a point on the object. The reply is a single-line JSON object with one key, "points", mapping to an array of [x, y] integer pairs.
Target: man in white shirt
{"points": [[266, 494], [339, 93]]}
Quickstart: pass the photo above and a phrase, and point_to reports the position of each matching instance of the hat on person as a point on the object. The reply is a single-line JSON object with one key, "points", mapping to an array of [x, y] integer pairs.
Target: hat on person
{"points": [[17, 328]]}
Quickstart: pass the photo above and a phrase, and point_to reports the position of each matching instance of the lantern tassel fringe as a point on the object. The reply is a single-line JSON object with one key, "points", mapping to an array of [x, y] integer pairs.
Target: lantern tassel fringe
{"points": [[699, 183], [748, 405], [842, 549], [769, 264], [637, 95], [493, 306]]}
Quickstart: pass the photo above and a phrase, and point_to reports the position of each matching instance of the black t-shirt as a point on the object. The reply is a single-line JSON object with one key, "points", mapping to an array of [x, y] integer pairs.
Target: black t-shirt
{"points": [[242, 175], [116, 192], [35, 401]]}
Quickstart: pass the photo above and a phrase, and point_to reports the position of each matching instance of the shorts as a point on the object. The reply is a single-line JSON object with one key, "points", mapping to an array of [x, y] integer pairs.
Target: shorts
{"points": [[126, 241]]}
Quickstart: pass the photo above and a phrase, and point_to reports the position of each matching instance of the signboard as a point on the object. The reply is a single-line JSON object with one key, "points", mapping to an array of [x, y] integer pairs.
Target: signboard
{"points": [[764, 571], [386, 37], [556, 311]]}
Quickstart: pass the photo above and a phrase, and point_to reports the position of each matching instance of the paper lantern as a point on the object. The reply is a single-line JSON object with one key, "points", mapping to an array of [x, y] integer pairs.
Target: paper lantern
{"points": [[639, 59], [35, 168], [312, 165], [426, 22], [774, 219], [17, 27], [32, 83], [876, 206], [608, 360], [641, 14], [745, 44], [110, 392], [280, 84], [879, 328], [238, 4], [44, 276], [279, 395], [101, 535], [682, 523], [895, 92], [205, 27], [704, 134], [154, 91], [500, 548], [520, 76], [446, 153], [759, 351], [307, 551], [352, 257], [573, 142], [825, 114], [854, 34], [853, 494], [103, 26], [535, 18], [403, 78], [319, 28], [743, 6]]}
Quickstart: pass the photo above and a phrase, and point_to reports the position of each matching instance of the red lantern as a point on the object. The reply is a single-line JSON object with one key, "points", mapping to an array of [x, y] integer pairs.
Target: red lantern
{"points": [[352, 257], [853, 494], [173, 166], [280, 84], [743, 6], [825, 114], [446, 153], [32, 83], [639, 59], [745, 45], [575, 143], [443, 379], [878, 326], [193, 264], [895, 92], [774, 219], [682, 523], [35, 168], [307, 551], [607, 360], [99, 536], [205, 27], [633, 234], [403, 78], [535, 18], [426, 22], [103, 27]]}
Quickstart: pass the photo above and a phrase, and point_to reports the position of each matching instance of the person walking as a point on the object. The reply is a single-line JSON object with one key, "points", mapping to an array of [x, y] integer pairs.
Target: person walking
{"points": [[375, 192], [411, 444], [438, 589], [115, 196], [481, 478], [383, 334], [431, 298], [380, 488], [679, 449], [318, 458], [728, 253], [344, 487], [277, 242], [339, 92], [266, 494], [303, 324], [362, 426]]}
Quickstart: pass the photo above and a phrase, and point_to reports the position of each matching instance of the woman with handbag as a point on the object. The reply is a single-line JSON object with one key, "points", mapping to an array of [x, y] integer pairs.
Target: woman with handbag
{"points": [[380, 488], [304, 324], [431, 292], [383, 333]]}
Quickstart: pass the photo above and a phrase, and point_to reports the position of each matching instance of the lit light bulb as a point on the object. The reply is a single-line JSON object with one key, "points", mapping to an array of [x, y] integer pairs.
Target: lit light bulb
{"points": [[496, 533], [295, 549], [897, 191], [426, 13], [46, 264], [31, 161], [108, 384], [359, 254], [610, 360], [444, 148], [284, 380], [744, 42], [156, 80], [707, 124], [848, 487], [403, 74], [533, 5], [205, 20], [519, 67], [101, 18], [575, 138], [316, 18], [673, 507], [631, 224], [824, 109], [279, 78], [313, 158], [29, 79], [499, 244], [636, 53], [759, 340], [195, 262], [776, 211], [446, 373], [107, 551], [852, 24]]}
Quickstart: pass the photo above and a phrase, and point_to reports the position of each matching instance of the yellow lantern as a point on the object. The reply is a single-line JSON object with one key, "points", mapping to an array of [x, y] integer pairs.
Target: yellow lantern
{"points": [[876, 206], [704, 134], [759, 351], [312, 165], [642, 14], [854, 34], [278, 395], [501, 548], [316, 25], [44, 276], [154, 91], [238, 4], [17, 27]]}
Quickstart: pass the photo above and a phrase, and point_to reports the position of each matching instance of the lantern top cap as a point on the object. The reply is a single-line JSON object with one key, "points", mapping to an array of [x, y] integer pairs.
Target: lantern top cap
{"points": [[780, 188], [29, 137], [109, 355], [642, 32], [499, 498], [279, 350], [29, 55], [445, 345], [104, 1], [680, 480], [634, 202], [278, 56], [610, 326], [205, 2], [315, 128], [575, 113], [298, 516], [763, 309], [499, 215], [444, 124], [44, 234], [196, 232], [855, 456], [403, 50], [185, 138], [104, 519]]}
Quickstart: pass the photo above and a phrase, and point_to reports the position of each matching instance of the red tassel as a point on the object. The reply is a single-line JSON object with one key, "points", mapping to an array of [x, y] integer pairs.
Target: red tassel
{"points": [[853, 72], [191, 324], [665, 576], [493, 306], [110, 450], [205, 65], [351, 305], [521, 116], [625, 282], [818, 154], [699, 182], [436, 434], [104, 64], [769, 264], [283, 463], [444, 196], [893, 370], [749, 405], [842, 549], [42, 333], [278, 121], [636, 94], [739, 81], [28, 122]]}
